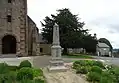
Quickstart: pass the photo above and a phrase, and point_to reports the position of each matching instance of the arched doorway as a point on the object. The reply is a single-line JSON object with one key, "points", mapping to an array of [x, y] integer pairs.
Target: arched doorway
{"points": [[8, 44]]}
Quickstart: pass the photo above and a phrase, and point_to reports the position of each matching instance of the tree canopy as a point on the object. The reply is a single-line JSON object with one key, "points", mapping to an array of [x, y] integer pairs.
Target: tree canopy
{"points": [[72, 34]]}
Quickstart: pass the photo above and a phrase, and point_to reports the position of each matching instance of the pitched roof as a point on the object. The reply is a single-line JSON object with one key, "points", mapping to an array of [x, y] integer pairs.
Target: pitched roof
{"points": [[102, 45], [41, 38]]}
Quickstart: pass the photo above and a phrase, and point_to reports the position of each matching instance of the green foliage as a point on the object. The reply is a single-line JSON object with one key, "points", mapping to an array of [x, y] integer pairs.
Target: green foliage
{"points": [[106, 80], [82, 70], [98, 63], [115, 72], [70, 29], [8, 77], [78, 56], [13, 68], [3, 68], [93, 76], [25, 63], [25, 73], [37, 80], [76, 66], [96, 69], [37, 72], [106, 77]]}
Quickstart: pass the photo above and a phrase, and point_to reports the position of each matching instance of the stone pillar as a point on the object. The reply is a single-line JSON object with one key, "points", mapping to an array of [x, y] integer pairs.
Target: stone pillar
{"points": [[56, 62]]}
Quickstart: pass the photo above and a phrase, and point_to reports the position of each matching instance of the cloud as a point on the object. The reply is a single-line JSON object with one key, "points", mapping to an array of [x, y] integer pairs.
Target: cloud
{"points": [[101, 16]]}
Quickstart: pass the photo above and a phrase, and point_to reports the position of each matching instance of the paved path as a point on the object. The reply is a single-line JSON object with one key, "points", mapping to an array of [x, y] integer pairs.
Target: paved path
{"points": [[109, 60], [43, 61]]}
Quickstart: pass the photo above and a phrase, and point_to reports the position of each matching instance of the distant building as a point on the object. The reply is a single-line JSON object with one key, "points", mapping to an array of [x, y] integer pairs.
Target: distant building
{"points": [[76, 50], [103, 49], [45, 49]]}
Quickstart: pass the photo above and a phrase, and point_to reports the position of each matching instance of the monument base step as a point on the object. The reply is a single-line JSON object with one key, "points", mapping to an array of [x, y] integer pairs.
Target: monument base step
{"points": [[57, 69]]}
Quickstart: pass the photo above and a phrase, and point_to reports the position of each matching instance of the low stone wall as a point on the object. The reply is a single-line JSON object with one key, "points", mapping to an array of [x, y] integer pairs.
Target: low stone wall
{"points": [[15, 61]]}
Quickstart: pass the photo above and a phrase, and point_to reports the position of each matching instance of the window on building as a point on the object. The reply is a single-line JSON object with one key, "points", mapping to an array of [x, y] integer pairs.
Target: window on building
{"points": [[41, 49], [9, 18], [9, 1]]}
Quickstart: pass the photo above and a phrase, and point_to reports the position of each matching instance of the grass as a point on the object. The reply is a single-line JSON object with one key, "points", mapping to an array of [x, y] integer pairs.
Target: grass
{"points": [[82, 56]]}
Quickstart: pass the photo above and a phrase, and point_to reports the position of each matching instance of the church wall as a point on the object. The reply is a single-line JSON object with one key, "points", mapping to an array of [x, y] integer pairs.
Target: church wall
{"points": [[33, 37], [17, 9]]}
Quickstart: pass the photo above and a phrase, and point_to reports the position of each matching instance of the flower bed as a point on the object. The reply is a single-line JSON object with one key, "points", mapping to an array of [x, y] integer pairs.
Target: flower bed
{"points": [[96, 71], [24, 73]]}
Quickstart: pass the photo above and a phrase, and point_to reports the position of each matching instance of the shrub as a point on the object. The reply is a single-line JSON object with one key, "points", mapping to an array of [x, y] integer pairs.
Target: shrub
{"points": [[25, 73], [106, 77], [25, 81], [89, 63], [106, 80], [82, 70], [98, 63], [115, 72], [37, 80], [37, 72], [76, 66], [96, 69], [3, 68], [93, 76], [8, 77], [25, 63], [13, 68]]}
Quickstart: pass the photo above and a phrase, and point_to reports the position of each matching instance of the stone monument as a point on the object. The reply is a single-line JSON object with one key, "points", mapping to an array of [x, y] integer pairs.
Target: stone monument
{"points": [[56, 62]]}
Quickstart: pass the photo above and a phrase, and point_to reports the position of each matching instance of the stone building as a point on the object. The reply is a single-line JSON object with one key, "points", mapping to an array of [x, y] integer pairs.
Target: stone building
{"points": [[45, 49], [19, 35]]}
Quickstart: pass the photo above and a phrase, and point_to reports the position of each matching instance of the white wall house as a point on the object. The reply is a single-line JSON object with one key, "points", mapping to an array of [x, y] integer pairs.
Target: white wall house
{"points": [[103, 49]]}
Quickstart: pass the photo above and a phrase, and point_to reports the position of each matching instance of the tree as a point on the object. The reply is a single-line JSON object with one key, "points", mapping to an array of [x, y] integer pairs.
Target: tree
{"points": [[70, 28], [72, 34], [104, 40]]}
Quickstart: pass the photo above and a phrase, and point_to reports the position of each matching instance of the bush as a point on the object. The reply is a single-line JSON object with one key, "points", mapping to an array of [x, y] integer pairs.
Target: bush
{"points": [[96, 69], [8, 77], [106, 80], [4, 68], [98, 63], [115, 72], [25, 63], [89, 63], [37, 80], [93, 76], [82, 70], [106, 77], [76, 66], [13, 68], [37, 72], [25, 73]]}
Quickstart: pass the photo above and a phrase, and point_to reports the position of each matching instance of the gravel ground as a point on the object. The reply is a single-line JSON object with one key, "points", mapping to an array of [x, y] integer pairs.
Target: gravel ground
{"points": [[63, 77]]}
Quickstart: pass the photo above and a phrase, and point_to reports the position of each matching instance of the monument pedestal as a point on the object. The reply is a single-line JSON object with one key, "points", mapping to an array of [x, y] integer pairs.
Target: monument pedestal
{"points": [[57, 64]]}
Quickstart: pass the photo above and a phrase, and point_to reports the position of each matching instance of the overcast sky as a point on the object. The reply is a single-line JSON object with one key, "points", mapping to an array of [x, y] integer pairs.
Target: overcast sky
{"points": [[100, 16]]}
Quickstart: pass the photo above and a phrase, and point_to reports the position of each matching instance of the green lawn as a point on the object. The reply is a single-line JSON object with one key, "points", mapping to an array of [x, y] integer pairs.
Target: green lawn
{"points": [[78, 56]]}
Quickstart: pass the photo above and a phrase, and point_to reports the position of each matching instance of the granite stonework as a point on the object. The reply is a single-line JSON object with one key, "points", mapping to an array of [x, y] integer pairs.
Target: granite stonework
{"points": [[56, 63], [21, 28]]}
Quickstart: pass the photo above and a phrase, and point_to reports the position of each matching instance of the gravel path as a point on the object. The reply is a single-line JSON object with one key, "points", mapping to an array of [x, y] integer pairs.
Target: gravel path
{"points": [[63, 77]]}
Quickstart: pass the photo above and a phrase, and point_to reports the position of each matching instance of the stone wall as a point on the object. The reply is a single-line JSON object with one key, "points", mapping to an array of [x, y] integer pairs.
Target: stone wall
{"points": [[17, 27], [33, 38], [21, 27], [46, 49]]}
